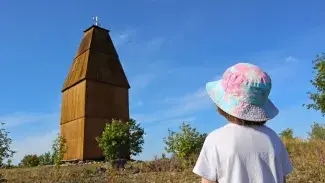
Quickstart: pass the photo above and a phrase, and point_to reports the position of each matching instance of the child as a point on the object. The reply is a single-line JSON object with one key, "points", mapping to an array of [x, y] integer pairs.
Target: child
{"points": [[244, 150]]}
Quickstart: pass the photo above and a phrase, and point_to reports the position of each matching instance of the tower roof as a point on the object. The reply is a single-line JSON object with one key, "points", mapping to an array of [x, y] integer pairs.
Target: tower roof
{"points": [[97, 60]]}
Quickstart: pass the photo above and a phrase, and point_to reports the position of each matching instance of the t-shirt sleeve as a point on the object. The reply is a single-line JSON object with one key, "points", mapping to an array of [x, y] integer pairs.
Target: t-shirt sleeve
{"points": [[207, 163], [286, 163]]}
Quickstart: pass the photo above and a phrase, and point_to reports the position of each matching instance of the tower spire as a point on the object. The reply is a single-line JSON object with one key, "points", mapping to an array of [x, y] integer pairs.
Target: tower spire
{"points": [[96, 21]]}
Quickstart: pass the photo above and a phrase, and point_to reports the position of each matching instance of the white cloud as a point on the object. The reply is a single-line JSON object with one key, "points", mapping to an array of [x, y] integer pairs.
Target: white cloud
{"points": [[293, 116], [17, 119], [123, 38], [139, 103], [150, 47], [189, 103], [178, 107], [145, 118], [268, 57], [141, 81], [156, 42], [175, 122], [283, 69], [34, 144], [137, 45], [291, 59]]}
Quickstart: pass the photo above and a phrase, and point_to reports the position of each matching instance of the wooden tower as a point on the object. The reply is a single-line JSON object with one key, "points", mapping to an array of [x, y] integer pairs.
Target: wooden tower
{"points": [[94, 92]]}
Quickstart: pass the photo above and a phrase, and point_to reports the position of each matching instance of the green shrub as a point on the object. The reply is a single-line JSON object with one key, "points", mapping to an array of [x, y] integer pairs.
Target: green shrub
{"points": [[318, 97], [46, 159], [9, 164], [5, 142], [317, 132], [120, 139], [287, 134], [59, 148], [185, 143], [30, 160]]}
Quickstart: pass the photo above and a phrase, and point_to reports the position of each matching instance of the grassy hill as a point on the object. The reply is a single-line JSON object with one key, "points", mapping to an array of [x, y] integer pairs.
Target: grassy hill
{"points": [[308, 158]]}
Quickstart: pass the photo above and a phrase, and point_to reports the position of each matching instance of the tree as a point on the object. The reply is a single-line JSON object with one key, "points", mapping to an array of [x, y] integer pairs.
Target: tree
{"points": [[317, 132], [184, 143], [9, 163], [121, 139], [318, 82], [287, 134], [59, 149], [5, 142], [30, 160], [46, 159]]}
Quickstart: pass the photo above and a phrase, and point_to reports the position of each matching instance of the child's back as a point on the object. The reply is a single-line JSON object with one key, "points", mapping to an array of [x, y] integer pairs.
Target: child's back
{"points": [[249, 154]]}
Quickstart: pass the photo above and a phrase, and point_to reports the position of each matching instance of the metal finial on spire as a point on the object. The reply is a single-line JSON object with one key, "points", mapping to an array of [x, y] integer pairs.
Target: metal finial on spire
{"points": [[96, 20]]}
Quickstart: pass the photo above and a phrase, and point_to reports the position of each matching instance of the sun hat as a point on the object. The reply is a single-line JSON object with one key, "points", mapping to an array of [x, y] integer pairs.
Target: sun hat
{"points": [[243, 92]]}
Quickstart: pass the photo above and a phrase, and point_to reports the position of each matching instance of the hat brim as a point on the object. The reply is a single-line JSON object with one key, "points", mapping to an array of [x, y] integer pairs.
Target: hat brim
{"points": [[249, 112]]}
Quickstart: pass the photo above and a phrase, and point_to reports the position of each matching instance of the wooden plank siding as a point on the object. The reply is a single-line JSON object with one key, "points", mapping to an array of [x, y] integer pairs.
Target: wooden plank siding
{"points": [[86, 108], [106, 101], [74, 134], [106, 69], [96, 59], [94, 92], [78, 71], [73, 103], [93, 129], [73, 121]]}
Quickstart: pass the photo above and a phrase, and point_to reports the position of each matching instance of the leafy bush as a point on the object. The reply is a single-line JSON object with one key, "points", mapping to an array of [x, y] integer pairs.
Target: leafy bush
{"points": [[287, 134], [185, 143], [30, 160], [318, 97], [5, 142], [317, 132], [46, 159], [120, 139], [9, 164], [59, 149]]}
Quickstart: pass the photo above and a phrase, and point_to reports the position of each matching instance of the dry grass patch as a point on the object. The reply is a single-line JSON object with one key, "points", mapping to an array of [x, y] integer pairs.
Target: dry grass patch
{"points": [[308, 159]]}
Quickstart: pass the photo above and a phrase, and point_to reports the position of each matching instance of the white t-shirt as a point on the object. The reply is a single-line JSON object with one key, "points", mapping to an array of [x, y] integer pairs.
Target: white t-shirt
{"points": [[240, 154]]}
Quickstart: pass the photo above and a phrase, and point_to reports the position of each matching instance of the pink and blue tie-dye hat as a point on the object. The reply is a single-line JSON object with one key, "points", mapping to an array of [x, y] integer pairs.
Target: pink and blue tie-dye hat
{"points": [[243, 92]]}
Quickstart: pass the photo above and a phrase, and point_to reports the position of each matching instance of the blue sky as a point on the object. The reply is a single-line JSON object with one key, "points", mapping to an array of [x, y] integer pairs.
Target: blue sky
{"points": [[169, 50]]}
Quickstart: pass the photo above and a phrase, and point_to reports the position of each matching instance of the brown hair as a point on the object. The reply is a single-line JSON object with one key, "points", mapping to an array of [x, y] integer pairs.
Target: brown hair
{"points": [[238, 121]]}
